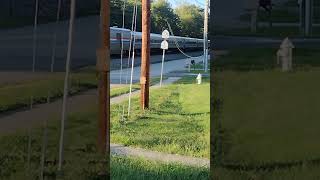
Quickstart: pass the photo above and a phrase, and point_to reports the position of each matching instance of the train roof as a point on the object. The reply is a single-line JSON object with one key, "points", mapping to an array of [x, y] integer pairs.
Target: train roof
{"points": [[154, 34]]}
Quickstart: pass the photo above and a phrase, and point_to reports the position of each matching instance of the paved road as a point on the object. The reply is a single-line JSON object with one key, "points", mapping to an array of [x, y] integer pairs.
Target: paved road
{"points": [[155, 70], [16, 46]]}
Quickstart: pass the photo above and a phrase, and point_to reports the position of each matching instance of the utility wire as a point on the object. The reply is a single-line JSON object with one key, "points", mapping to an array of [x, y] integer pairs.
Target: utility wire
{"points": [[176, 42]]}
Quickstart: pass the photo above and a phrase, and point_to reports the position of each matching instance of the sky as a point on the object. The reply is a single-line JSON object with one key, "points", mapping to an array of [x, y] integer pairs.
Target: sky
{"points": [[196, 2]]}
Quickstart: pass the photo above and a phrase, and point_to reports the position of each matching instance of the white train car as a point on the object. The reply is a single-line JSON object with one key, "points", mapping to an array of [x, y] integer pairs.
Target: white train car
{"points": [[117, 35]]}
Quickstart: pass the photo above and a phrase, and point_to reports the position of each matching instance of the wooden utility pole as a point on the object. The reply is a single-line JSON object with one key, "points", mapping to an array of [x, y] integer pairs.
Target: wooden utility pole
{"points": [[145, 55], [103, 61]]}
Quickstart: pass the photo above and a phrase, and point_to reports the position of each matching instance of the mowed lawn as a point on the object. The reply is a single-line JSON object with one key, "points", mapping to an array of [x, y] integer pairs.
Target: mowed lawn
{"points": [[141, 169], [177, 121], [268, 116], [171, 125]]}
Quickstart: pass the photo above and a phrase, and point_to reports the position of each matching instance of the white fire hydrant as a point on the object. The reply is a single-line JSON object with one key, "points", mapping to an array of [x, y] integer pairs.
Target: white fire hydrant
{"points": [[199, 78], [284, 55]]}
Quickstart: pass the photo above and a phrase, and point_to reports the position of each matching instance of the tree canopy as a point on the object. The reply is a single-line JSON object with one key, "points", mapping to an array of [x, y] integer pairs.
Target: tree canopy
{"points": [[161, 12], [185, 20], [191, 17]]}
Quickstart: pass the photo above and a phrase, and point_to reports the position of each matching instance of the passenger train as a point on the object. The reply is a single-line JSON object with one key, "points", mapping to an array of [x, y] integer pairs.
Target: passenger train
{"points": [[118, 34]]}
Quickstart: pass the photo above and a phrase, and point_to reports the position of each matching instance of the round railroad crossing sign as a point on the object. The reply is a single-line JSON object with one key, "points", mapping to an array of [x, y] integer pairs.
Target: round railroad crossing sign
{"points": [[165, 34], [164, 45]]}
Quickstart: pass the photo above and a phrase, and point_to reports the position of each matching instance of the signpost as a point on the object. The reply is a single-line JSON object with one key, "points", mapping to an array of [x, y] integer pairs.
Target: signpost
{"points": [[252, 7], [205, 38], [306, 16], [164, 47], [301, 15]]}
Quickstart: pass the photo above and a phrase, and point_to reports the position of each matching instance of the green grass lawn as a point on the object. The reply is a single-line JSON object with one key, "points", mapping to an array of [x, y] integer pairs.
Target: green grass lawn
{"points": [[269, 116], [266, 125], [15, 96], [293, 173], [266, 121], [178, 115], [139, 169], [274, 31], [18, 95], [246, 59], [184, 130]]}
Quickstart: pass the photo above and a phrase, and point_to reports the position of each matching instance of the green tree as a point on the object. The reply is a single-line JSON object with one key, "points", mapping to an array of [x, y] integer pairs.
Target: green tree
{"points": [[191, 17], [117, 11], [161, 11]]}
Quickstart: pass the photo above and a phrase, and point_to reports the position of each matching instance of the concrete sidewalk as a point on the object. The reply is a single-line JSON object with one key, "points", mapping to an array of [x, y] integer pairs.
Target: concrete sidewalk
{"points": [[121, 150]]}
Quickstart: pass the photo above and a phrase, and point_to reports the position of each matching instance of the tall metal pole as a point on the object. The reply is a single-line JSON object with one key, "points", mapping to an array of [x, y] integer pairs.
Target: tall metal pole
{"points": [[301, 15], [308, 17], [205, 34], [35, 35], [145, 55], [103, 61], [66, 84], [54, 42], [162, 63]]}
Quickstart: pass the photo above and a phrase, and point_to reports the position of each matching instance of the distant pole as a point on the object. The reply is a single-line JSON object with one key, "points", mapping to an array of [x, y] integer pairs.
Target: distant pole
{"points": [[35, 35], [145, 54], [308, 17], [301, 15], [66, 84], [54, 42], [205, 34], [254, 16], [252, 7]]}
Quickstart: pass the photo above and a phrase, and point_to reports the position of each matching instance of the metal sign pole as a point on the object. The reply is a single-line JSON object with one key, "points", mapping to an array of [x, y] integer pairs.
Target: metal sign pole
{"points": [[164, 46], [206, 17], [164, 51]]}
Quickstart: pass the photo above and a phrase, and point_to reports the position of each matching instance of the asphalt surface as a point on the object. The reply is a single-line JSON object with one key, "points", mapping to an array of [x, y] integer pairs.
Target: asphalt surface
{"points": [[155, 70]]}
